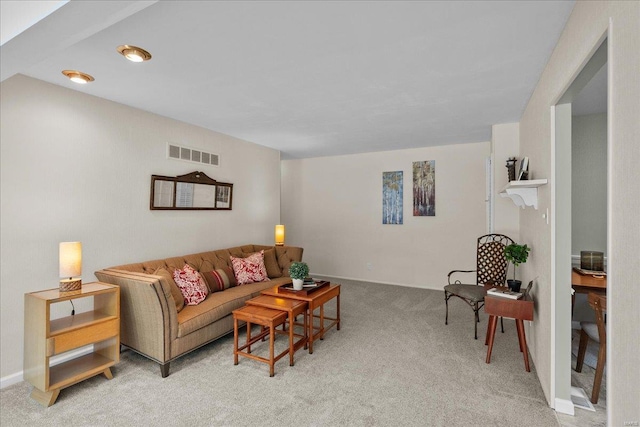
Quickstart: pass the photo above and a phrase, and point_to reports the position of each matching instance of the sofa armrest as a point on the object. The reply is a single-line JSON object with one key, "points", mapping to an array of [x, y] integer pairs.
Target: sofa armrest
{"points": [[148, 315]]}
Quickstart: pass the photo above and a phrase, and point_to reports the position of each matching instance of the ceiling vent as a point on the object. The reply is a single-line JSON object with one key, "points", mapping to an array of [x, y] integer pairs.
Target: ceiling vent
{"points": [[188, 154]]}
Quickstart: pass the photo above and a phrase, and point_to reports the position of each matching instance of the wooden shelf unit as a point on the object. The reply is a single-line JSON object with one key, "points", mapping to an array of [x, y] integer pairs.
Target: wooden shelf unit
{"points": [[45, 338]]}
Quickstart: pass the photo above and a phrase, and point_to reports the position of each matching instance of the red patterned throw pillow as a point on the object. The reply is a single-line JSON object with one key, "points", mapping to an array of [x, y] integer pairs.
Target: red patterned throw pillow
{"points": [[250, 269], [191, 285]]}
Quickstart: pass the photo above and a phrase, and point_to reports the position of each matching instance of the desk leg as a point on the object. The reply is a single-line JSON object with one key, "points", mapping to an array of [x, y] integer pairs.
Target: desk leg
{"points": [[491, 332], [523, 343], [486, 339]]}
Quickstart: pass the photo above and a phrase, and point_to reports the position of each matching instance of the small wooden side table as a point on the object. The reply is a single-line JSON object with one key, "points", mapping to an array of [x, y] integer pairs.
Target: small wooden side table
{"points": [[267, 318], [518, 309], [293, 308], [45, 337]]}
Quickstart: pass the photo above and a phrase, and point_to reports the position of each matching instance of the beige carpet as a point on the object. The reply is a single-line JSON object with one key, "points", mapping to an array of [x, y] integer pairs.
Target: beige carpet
{"points": [[394, 363]]}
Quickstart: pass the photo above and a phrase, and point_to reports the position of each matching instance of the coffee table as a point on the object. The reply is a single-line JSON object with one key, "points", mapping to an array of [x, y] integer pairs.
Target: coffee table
{"points": [[293, 308], [314, 300]]}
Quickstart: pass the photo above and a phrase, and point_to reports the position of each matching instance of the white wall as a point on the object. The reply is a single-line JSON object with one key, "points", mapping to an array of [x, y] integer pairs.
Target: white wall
{"points": [[333, 207], [589, 183], [587, 25], [505, 143], [77, 167]]}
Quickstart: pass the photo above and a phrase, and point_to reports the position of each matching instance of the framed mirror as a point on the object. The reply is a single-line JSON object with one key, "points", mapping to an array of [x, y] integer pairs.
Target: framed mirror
{"points": [[193, 191]]}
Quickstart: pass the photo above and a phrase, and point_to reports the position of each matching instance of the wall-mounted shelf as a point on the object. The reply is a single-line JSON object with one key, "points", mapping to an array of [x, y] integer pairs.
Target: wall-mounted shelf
{"points": [[523, 193]]}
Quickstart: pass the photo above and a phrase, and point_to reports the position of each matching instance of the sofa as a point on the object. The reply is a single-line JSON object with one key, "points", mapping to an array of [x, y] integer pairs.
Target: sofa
{"points": [[155, 321]]}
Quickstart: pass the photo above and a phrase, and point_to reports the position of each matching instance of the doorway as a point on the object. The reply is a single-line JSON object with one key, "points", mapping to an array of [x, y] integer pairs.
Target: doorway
{"points": [[578, 173]]}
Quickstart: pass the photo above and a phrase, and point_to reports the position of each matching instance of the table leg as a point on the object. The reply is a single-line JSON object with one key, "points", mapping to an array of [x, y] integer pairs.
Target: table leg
{"points": [[322, 322], [291, 343], [493, 322], [271, 347], [523, 343], [486, 340], [338, 312], [248, 336], [310, 321], [235, 341]]}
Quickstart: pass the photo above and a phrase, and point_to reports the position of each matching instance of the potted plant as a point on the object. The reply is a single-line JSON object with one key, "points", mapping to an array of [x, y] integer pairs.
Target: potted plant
{"points": [[516, 254], [298, 271]]}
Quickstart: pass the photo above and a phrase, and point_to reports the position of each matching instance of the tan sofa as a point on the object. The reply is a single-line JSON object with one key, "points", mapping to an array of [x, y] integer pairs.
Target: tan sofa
{"points": [[154, 324]]}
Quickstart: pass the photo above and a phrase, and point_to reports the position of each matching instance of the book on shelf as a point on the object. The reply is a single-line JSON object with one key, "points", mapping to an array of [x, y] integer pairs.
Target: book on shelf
{"points": [[504, 293]]}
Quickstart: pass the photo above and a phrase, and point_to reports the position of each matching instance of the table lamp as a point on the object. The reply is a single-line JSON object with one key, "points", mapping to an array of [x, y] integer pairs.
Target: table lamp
{"points": [[279, 235], [70, 266]]}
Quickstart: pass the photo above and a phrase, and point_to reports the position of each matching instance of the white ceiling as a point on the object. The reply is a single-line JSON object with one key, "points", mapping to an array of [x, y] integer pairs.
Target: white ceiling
{"points": [[307, 78]]}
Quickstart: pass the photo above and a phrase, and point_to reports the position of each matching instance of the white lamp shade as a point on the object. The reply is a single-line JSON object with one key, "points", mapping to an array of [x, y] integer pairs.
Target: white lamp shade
{"points": [[70, 259], [279, 234]]}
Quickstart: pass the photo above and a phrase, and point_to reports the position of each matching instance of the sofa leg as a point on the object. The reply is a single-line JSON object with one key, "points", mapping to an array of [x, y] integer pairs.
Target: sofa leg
{"points": [[164, 369]]}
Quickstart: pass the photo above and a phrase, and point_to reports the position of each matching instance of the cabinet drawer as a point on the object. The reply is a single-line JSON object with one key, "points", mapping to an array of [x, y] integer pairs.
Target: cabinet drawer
{"points": [[80, 337]]}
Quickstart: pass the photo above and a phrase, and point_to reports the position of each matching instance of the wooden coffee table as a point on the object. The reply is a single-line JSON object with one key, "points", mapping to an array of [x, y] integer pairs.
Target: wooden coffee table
{"points": [[293, 308], [314, 300]]}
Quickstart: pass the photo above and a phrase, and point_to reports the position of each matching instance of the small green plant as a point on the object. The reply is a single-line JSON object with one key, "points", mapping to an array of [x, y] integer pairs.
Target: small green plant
{"points": [[298, 270], [516, 254]]}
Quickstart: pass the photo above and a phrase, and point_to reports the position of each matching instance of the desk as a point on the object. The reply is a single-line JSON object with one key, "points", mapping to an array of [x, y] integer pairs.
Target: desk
{"points": [[518, 309], [587, 283]]}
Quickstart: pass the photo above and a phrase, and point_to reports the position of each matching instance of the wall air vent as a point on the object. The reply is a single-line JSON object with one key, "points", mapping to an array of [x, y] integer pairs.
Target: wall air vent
{"points": [[179, 152]]}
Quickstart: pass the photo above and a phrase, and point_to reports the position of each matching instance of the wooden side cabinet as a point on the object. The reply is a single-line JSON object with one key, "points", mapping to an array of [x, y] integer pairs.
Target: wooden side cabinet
{"points": [[45, 338]]}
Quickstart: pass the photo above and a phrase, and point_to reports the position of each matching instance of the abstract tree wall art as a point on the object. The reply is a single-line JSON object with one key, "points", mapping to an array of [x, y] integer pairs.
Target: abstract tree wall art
{"points": [[392, 197], [424, 188]]}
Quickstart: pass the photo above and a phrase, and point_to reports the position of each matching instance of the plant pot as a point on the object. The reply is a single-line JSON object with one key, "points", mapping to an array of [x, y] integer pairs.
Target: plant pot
{"points": [[297, 284], [514, 285]]}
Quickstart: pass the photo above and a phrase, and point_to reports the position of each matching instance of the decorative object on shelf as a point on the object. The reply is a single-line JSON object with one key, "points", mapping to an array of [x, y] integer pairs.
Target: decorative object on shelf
{"points": [[392, 189], [591, 260], [424, 188], [279, 235], [70, 257], [511, 168], [523, 174], [516, 254], [298, 271], [193, 191], [523, 193]]}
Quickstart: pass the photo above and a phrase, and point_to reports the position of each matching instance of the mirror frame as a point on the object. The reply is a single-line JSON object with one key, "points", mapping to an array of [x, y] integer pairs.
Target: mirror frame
{"points": [[194, 178]]}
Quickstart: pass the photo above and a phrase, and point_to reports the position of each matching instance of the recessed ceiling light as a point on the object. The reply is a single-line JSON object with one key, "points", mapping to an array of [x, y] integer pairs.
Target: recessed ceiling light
{"points": [[78, 76], [134, 53]]}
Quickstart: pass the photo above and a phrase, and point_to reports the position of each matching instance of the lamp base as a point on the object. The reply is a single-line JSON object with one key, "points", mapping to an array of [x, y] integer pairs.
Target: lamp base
{"points": [[279, 244], [68, 285]]}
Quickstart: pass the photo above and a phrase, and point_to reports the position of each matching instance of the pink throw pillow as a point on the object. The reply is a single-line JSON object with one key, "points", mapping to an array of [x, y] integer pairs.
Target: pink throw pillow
{"points": [[193, 287], [250, 269]]}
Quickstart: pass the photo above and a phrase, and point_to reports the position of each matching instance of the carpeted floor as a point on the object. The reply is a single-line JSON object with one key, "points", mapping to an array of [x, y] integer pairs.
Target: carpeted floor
{"points": [[393, 363]]}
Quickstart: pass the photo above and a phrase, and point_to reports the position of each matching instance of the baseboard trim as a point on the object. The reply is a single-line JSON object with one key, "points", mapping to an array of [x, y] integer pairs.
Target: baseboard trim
{"points": [[331, 276], [564, 406], [12, 379]]}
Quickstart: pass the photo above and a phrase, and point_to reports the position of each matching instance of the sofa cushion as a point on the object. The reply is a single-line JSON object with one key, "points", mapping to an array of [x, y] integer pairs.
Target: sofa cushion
{"points": [[287, 255], [175, 290], [216, 306], [271, 263], [219, 279], [250, 269], [191, 284]]}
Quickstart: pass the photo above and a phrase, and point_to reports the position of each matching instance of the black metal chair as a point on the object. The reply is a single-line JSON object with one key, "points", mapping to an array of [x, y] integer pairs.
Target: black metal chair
{"points": [[491, 268]]}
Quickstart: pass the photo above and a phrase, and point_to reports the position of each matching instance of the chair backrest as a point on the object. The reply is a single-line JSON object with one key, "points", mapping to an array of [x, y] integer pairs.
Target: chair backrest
{"points": [[492, 264], [599, 304]]}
